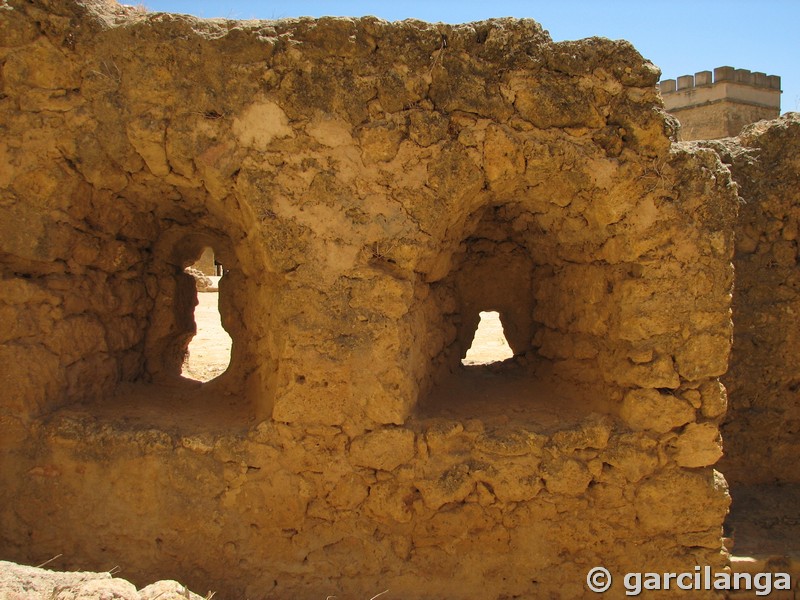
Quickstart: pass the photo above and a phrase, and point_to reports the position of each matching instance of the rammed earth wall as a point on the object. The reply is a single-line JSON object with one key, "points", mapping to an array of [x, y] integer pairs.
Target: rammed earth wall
{"points": [[763, 421], [370, 187]]}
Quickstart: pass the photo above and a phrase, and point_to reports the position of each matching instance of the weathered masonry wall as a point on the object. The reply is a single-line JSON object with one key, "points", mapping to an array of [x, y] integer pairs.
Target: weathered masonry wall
{"points": [[761, 429], [369, 188], [711, 107]]}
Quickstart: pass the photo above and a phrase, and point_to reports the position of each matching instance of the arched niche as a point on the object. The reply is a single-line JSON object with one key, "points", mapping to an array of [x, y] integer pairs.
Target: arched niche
{"points": [[506, 263]]}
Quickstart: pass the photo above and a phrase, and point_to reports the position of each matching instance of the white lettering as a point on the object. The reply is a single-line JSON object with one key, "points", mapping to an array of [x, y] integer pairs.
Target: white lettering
{"points": [[652, 581], [685, 581], [722, 581], [763, 588], [667, 577], [633, 584], [783, 581], [701, 578], [737, 579]]}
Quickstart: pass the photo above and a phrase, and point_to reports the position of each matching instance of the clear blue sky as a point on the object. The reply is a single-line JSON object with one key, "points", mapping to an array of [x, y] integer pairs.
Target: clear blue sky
{"points": [[680, 36]]}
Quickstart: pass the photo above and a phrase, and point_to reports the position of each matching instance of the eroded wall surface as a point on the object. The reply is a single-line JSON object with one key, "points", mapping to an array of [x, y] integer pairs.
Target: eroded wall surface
{"points": [[369, 187], [762, 425]]}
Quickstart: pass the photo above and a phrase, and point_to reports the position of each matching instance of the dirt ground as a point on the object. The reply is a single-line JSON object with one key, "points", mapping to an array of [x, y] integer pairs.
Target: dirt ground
{"points": [[490, 344], [210, 349]]}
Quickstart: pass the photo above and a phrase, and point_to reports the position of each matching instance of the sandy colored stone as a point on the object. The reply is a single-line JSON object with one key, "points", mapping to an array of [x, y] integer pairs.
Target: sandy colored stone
{"points": [[369, 188], [635, 456], [348, 493], [380, 141], [20, 581], [389, 501], [453, 485], [147, 136], [651, 409], [260, 123], [699, 445], [565, 476], [715, 400], [662, 499], [657, 372], [511, 444], [594, 432], [167, 590], [708, 355], [385, 449], [760, 425], [515, 480]]}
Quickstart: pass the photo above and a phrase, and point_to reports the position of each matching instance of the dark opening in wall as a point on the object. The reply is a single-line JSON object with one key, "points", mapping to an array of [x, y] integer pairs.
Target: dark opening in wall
{"points": [[219, 387], [208, 354], [491, 271], [500, 277], [199, 313]]}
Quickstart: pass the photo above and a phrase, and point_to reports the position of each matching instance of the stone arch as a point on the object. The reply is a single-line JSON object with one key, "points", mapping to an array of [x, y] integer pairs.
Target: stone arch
{"points": [[492, 270], [501, 263], [245, 295], [345, 163], [500, 260], [577, 258]]}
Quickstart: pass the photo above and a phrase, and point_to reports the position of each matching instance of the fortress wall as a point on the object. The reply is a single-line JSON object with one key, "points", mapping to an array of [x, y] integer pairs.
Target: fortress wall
{"points": [[718, 106], [719, 120], [760, 431], [370, 187]]}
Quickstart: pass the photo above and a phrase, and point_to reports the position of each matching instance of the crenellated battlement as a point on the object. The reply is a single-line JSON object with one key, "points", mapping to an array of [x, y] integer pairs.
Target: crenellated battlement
{"points": [[721, 75]]}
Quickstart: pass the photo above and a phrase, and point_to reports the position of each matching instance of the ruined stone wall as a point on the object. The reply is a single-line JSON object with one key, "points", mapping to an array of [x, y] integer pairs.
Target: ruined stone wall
{"points": [[369, 187], [761, 429]]}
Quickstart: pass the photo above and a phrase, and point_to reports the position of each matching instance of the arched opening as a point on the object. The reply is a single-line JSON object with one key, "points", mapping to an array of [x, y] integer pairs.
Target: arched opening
{"points": [[197, 311], [208, 353], [489, 344], [518, 357], [181, 307]]}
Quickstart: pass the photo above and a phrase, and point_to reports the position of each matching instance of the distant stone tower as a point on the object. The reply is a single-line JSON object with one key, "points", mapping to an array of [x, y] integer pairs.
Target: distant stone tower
{"points": [[720, 108]]}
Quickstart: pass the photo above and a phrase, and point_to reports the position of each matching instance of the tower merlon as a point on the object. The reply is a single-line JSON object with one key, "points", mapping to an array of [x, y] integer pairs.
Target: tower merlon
{"points": [[755, 79], [740, 86]]}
